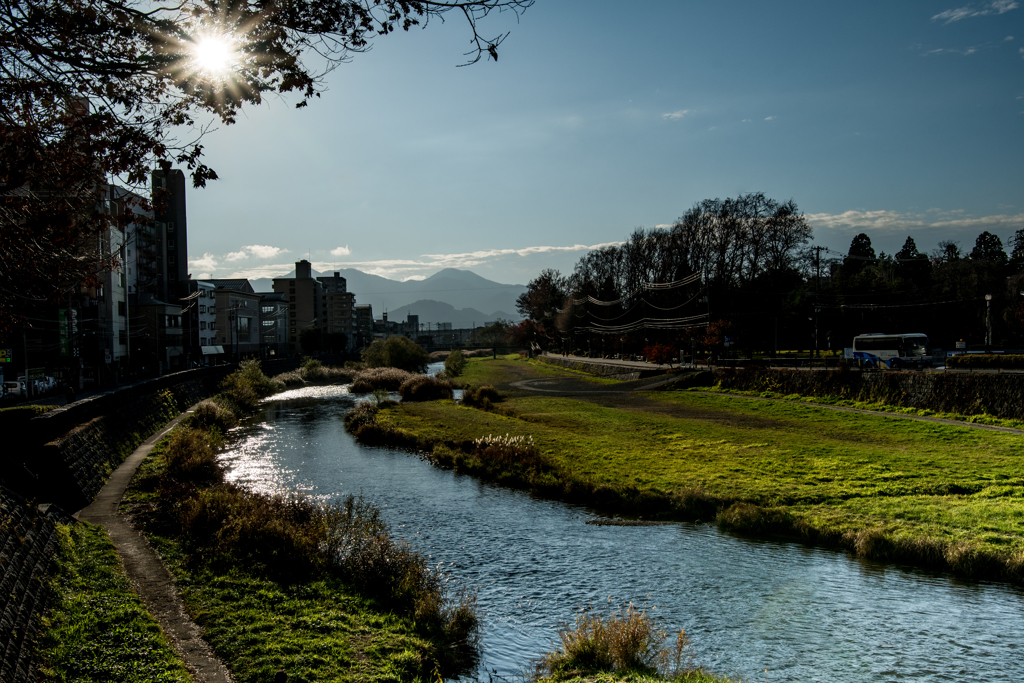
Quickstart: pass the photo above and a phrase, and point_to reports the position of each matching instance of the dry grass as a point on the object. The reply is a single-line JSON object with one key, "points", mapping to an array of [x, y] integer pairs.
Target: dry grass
{"points": [[390, 379], [424, 388], [626, 641]]}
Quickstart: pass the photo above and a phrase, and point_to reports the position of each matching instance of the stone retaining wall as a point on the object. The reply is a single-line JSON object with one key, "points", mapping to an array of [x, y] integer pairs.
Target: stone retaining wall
{"points": [[607, 371], [28, 547]]}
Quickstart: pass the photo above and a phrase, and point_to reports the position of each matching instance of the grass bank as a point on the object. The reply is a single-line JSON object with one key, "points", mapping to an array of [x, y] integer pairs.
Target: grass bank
{"points": [[97, 629], [285, 583], [935, 495]]}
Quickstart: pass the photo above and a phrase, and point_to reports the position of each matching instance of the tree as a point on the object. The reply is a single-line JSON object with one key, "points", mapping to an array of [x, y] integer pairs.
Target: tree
{"points": [[912, 264], [495, 333], [988, 249], [544, 296], [1016, 262], [93, 92], [396, 352], [861, 254], [454, 364]]}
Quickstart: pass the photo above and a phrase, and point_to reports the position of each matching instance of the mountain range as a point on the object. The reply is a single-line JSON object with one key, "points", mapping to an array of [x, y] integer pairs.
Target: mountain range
{"points": [[460, 297]]}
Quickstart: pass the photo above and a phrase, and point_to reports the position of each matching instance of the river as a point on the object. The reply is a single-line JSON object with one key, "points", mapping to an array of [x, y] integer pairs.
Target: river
{"points": [[757, 611]]}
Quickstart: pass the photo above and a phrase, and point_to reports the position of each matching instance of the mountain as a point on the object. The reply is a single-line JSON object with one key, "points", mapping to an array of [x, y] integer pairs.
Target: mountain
{"points": [[434, 312], [461, 290]]}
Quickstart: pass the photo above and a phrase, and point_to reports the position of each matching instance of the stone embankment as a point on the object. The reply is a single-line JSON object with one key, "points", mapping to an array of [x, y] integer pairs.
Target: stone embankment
{"points": [[28, 545], [608, 369]]}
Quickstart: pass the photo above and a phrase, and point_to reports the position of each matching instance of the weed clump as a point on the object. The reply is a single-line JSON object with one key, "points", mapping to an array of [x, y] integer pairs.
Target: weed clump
{"points": [[626, 641], [208, 415], [424, 388], [483, 397], [389, 379], [508, 449], [243, 389]]}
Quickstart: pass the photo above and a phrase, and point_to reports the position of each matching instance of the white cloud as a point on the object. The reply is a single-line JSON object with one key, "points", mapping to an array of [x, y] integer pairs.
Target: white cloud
{"points": [[414, 277], [341, 251], [891, 221], [769, 118], [672, 116], [261, 251], [206, 263], [746, 121], [995, 7], [264, 251], [1007, 39]]}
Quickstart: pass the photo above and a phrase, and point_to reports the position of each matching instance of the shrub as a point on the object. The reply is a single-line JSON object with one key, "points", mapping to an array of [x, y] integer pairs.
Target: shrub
{"points": [[659, 353], [247, 385], [423, 388], [312, 370], [208, 415], [455, 363], [190, 460], [483, 397], [396, 352], [625, 641], [389, 379], [362, 414]]}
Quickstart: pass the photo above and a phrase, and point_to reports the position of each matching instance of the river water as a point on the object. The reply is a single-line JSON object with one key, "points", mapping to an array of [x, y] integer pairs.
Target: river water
{"points": [[758, 611]]}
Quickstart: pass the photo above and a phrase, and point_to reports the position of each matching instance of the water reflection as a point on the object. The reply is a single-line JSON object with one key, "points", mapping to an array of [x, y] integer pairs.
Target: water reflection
{"points": [[803, 614]]}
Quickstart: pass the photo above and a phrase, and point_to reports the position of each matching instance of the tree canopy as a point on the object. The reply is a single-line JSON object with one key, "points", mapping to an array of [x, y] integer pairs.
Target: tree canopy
{"points": [[94, 92]]}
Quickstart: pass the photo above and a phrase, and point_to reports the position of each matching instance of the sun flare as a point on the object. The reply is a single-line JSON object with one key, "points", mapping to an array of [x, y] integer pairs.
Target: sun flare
{"points": [[214, 55]]}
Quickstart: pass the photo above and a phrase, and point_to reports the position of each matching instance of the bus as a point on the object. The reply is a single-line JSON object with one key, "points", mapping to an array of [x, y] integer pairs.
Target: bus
{"points": [[892, 351]]}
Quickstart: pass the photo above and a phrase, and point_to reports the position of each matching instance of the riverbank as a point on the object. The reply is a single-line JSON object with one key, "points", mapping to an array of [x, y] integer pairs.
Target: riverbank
{"points": [[321, 592], [934, 495]]}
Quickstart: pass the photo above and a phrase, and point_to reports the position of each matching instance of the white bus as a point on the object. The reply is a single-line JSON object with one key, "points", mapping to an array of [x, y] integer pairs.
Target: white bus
{"points": [[892, 351]]}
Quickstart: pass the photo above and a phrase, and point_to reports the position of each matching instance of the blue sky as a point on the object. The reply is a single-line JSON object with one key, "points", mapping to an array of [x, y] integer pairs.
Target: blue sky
{"points": [[890, 118]]}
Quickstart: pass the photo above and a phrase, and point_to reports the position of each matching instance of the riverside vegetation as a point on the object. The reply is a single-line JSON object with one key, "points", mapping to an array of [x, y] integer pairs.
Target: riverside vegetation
{"points": [[320, 591], [935, 495]]}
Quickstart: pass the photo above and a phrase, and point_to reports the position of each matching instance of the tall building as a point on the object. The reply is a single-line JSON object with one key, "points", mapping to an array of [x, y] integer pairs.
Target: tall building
{"points": [[171, 229], [305, 300], [337, 305], [238, 318], [274, 323]]}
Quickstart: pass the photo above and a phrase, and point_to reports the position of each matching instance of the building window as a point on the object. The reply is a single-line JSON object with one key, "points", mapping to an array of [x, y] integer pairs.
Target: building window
{"points": [[213, 326], [202, 324], [122, 308]]}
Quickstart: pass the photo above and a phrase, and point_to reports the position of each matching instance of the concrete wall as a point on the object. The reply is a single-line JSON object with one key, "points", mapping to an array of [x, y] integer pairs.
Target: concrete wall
{"points": [[599, 369]]}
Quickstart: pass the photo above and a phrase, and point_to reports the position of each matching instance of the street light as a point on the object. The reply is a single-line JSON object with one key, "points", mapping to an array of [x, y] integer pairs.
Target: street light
{"points": [[988, 321]]}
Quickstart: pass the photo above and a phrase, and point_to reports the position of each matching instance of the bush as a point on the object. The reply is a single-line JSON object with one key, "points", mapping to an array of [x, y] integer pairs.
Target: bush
{"points": [[625, 641], [396, 352], [312, 370], [208, 415], [455, 363], [482, 397], [659, 353], [189, 459], [423, 388], [247, 385], [389, 379]]}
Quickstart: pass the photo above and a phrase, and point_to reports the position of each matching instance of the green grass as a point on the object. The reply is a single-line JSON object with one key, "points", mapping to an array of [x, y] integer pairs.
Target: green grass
{"points": [[97, 628], [886, 487], [315, 625], [506, 369], [317, 631]]}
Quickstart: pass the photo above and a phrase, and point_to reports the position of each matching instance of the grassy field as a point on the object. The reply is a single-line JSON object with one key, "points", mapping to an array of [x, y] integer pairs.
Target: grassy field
{"points": [[884, 487], [97, 628]]}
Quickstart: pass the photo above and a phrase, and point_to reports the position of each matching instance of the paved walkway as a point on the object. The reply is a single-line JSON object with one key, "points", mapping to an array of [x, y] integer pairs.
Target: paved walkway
{"points": [[147, 572]]}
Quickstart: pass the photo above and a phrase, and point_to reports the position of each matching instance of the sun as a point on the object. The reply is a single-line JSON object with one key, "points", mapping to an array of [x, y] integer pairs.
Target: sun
{"points": [[214, 55]]}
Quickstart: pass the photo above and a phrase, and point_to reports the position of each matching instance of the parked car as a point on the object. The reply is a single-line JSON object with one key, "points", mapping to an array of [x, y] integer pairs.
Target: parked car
{"points": [[15, 388]]}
